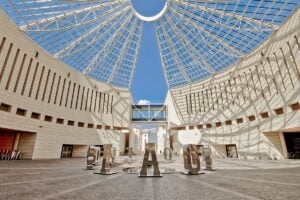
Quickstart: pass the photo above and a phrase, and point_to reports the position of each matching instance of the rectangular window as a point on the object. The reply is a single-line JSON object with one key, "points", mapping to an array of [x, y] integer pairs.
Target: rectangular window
{"points": [[103, 102], [99, 106], [264, 115], [35, 115], [218, 124], [203, 101], [187, 104], [231, 92], [200, 126], [90, 125], [26, 76], [2, 44], [107, 103], [78, 91], [295, 106], [39, 84], [279, 111], [46, 85], [82, 95], [51, 88], [59, 121], [12, 69], [80, 124], [99, 126], [5, 61], [71, 123], [239, 120], [5, 107], [48, 118], [212, 99], [57, 88], [67, 98], [228, 122], [74, 86], [208, 125], [20, 72], [111, 104], [62, 92], [21, 112], [96, 96], [199, 102], [87, 98], [207, 99], [194, 102], [33, 79], [251, 118], [91, 101]]}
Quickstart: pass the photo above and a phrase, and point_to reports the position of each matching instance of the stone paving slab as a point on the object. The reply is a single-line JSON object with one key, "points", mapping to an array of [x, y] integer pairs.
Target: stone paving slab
{"points": [[66, 179]]}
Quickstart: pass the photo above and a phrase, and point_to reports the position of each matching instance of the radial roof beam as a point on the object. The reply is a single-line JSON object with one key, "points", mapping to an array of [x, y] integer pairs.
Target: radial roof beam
{"points": [[231, 50], [107, 48], [69, 13], [213, 23], [124, 49], [256, 22], [235, 52], [206, 65], [161, 56], [136, 54], [99, 36], [78, 40], [109, 14], [178, 60]]}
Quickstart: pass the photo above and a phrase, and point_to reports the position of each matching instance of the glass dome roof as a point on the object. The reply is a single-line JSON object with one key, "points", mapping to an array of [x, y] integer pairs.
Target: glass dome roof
{"points": [[196, 38]]}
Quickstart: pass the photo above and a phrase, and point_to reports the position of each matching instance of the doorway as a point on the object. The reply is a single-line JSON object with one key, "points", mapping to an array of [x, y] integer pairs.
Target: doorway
{"points": [[292, 140], [12, 140], [231, 151], [67, 151], [126, 150]]}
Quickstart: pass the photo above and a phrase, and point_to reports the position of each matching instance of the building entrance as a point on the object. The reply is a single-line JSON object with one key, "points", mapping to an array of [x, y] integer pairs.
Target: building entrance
{"points": [[292, 141], [16, 141], [67, 151]]}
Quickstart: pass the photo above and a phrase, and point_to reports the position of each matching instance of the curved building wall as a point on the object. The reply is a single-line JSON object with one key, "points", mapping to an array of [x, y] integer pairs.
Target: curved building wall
{"points": [[51, 104], [250, 104]]}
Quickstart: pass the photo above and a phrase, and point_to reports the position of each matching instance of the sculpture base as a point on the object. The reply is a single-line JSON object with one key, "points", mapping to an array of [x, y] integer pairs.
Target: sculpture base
{"points": [[89, 168], [106, 173], [150, 176], [190, 173], [210, 169]]}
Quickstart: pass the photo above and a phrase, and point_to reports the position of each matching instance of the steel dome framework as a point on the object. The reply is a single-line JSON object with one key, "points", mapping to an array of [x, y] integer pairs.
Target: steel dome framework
{"points": [[196, 38]]}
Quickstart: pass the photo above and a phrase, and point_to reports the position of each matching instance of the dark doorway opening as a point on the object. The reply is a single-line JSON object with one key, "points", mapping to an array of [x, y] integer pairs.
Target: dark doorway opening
{"points": [[231, 151], [292, 141], [67, 151], [126, 151], [171, 139]]}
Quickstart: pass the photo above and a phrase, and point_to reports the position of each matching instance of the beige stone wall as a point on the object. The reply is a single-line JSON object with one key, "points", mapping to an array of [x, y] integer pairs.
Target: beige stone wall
{"points": [[53, 99], [79, 151], [252, 89], [26, 144]]}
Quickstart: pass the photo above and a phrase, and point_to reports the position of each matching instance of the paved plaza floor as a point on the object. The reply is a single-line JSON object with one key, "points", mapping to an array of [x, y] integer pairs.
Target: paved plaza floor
{"points": [[233, 179]]}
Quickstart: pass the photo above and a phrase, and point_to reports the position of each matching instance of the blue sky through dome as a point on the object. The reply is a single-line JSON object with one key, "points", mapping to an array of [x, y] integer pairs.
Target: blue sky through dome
{"points": [[148, 81]]}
